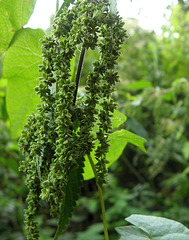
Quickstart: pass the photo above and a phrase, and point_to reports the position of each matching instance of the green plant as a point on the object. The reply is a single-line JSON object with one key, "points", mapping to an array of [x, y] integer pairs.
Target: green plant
{"points": [[67, 128], [24, 44], [21, 101]]}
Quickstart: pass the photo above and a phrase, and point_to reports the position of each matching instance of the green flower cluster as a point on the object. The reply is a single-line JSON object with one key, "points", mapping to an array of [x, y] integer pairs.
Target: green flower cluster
{"points": [[61, 130]]}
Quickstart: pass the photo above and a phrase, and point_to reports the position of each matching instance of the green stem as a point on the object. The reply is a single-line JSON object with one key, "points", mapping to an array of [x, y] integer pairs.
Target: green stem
{"points": [[57, 5], [78, 74], [101, 198]]}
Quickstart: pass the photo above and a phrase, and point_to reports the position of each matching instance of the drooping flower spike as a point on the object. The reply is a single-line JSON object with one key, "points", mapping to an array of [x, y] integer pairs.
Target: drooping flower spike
{"points": [[60, 132]]}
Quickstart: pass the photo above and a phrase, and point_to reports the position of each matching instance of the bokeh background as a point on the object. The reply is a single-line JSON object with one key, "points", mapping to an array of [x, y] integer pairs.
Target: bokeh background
{"points": [[154, 94]]}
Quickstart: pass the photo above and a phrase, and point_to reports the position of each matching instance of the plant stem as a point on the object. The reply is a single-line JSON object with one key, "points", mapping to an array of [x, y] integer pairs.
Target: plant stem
{"points": [[57, 5], [78, 74], [101, 198], [77, 79]]}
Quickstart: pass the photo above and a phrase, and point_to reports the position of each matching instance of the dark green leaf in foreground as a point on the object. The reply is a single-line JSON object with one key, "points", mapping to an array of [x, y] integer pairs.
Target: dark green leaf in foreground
{"points": [[153, 228], [14, 14], [71, 196], [20, 67], [118, 141]]}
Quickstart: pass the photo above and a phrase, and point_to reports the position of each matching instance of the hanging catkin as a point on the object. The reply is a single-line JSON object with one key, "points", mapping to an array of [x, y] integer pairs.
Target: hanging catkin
{"points": [[60, 131]]}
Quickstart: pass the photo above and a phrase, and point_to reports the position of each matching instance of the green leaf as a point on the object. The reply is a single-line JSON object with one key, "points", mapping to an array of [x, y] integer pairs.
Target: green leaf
{"points": [[3, 82], [118, 141], [137, 128], [134, 139], [72, 191], [139, 85], [173, 236], [153, 228], [157, 226], [7, 31], [14, 14], [132, 233], [20, 67], [65, 5], [118, 119]]}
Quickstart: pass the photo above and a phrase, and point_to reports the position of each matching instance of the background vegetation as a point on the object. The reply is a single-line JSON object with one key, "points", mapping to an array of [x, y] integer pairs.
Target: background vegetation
{"points": [[154, 94]]}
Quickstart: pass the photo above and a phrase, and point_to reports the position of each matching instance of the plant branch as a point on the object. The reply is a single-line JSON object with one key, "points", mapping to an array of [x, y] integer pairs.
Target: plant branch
{"points": [[78, 74], [57, 5], [101, 198]]}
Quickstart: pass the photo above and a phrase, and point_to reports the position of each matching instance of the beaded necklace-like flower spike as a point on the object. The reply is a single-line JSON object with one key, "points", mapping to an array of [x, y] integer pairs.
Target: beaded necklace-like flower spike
{"points": [[57, 137]]}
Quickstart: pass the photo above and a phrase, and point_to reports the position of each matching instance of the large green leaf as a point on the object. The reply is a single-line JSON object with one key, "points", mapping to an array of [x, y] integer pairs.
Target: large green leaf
{"points": [[3, 82], [118, 118], [71, 196], [132, 233], [7, 31], [118, 141], [20, 67], [121, 137], [153, 228], [14, 14], [137, 128]]}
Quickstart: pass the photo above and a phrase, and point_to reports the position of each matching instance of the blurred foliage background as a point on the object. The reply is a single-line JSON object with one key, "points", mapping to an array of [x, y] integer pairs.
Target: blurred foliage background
{"points": [[154, 94]]}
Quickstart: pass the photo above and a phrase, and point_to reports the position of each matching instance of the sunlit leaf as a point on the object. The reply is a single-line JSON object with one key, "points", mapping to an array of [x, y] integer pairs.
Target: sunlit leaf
{"points": [[3, 82], [20, 67], [118, 141], [118, 118], [14, 14]]}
